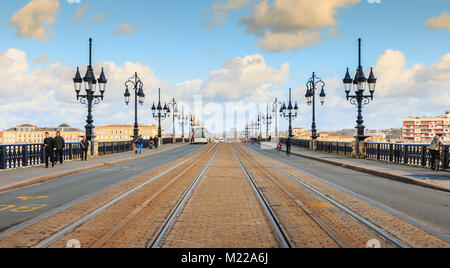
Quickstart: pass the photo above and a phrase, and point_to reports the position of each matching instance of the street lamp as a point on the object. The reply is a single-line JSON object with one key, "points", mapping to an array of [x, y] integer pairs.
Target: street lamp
{"points": [[90, 98], [359, 98], [267, 120], [139, 96], [174, 107], [183, 120], [160, 112], [275, 111], [289, 112], [310, 96]]}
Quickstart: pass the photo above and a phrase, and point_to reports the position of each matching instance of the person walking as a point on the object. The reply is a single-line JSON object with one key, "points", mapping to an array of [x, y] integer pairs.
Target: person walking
{"points": [[59, 145], [156, 140], [435, 147], [140, 143], [288, 146], [84, 146], [48, 150]]}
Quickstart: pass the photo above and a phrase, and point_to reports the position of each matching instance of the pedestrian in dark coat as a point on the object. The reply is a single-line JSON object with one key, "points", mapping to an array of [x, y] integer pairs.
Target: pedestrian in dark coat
{"points": [[59, 145], [156, 139], [84, 144], [288, 145], [48, 150]]}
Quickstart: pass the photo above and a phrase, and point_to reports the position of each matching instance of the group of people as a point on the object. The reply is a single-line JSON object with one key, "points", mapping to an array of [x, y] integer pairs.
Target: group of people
{"points": [[138, 144], [54, 149]]}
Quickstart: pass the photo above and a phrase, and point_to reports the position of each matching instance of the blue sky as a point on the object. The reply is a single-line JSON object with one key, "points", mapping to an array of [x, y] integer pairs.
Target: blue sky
{"points": [[170, 38]]}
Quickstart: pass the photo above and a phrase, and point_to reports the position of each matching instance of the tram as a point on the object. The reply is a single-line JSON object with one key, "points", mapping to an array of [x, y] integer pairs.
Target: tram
{"points": [[199, 135]]}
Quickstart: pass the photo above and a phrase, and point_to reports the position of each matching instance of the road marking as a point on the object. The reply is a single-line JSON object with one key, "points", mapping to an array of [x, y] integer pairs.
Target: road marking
{"points": [[6, 207], [22, 209], [26, 198]]}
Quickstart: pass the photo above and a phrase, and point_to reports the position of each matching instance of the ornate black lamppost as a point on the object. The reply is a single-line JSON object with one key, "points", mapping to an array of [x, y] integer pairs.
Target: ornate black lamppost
{"points": [[359, 98], [90, 98], [174, 108], [275, 114], [289, 112], [257, 126], [160, 112], [246, 131], [310, 96], [267, 120], [183, 120], [139, 96]]}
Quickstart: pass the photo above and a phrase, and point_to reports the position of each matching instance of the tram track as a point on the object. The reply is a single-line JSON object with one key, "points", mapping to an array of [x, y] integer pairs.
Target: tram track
{"points": [[252, 157], [53, 239]]}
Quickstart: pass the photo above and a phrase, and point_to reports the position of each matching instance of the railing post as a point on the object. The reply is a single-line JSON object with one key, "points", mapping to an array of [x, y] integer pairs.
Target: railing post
{"points": [[405, 154], [71, 151], [25, 156], [3, 157], [423, 159], [445, 158]]}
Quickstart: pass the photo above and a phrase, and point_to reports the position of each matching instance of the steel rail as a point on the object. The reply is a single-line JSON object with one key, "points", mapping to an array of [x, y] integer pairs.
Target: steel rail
{"points": [[184, 199], [276, 225], [332, 201], [321, 223], [77, 223], [105, 238]]}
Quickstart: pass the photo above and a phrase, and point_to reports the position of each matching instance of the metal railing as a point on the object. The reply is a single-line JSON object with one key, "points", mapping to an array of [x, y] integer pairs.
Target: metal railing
{"points": [[408, 154], [22, 155], [107, 148], [335, 147]]}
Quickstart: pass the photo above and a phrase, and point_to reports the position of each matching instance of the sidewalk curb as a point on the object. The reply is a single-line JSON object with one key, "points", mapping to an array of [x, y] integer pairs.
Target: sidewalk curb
{"points": [[400, 178], [46, 178]]}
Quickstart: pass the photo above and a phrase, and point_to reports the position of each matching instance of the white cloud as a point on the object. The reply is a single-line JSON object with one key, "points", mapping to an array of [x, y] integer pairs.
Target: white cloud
{"points": [[282, 42], [284, 25], [43, 58], [81, 11], [442, 22], [124, 29], [244, 78], [35, 19], [220, 9]]}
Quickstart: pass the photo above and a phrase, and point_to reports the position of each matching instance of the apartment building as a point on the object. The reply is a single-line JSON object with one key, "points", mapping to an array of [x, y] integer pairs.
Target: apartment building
{"points": [[124, 132], [29, 134], [423, 129]]}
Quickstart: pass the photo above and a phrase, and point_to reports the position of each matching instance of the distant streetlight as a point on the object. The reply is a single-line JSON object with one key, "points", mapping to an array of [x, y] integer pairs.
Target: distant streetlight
{"points": [[289, 112], [173, 106], [139, 96], [267, 120], [311, 99], [183, 120], [160, 112], [275, 111]]}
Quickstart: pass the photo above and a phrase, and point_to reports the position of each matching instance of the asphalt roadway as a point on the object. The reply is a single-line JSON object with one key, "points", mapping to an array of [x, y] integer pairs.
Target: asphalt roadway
{"points": [[22, 207], [422, 207]]}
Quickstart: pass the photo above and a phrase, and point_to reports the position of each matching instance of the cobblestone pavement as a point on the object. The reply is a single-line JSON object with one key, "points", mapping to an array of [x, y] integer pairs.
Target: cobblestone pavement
{"points": [[223, 212]]}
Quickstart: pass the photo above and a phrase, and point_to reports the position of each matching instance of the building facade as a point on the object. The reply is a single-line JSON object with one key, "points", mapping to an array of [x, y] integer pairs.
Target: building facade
{"points": [[30, 134], [124, 132], [423, 129]]}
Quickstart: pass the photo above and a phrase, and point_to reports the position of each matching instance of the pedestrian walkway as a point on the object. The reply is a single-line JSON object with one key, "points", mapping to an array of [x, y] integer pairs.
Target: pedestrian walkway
{"points": [[13, 178], [416, 175]]}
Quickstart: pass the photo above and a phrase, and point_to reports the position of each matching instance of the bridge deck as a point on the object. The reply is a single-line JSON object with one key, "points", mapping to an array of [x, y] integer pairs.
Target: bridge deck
{"points": [[227, 195]]}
